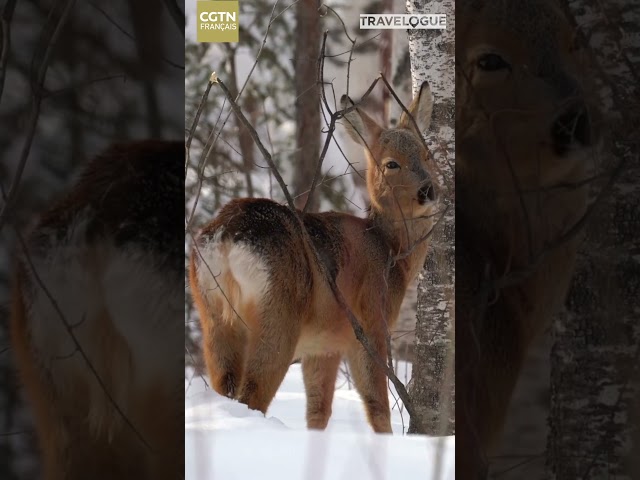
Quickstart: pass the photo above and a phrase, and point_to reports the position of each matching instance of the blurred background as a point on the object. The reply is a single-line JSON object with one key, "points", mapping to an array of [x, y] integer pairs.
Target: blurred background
{"points": [[75, 77]]}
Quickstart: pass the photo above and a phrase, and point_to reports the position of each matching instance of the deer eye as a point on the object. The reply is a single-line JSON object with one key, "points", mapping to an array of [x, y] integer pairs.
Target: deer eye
{"points": [[392, 164], [491, 62]]}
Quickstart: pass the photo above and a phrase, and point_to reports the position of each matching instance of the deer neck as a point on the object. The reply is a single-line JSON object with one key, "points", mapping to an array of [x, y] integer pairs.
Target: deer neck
{"points": [[406, 238]]}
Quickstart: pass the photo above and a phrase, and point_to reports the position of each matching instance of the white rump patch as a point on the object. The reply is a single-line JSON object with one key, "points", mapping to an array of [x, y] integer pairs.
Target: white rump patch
{"points": [[224, 258], [125, 314]]}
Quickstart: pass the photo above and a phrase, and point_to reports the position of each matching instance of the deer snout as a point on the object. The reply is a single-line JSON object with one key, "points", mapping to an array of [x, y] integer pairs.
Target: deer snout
{"points": [[426, 193], [572, 128]]}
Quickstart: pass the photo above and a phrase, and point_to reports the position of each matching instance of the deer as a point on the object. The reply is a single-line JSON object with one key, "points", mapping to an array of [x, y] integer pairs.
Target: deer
{"points": [[524, 136], [97, 306], [261, 276]]}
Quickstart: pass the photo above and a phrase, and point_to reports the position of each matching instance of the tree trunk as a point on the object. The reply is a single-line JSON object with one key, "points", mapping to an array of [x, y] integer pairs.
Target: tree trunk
{"points": [[597, 339], [386, 48], [307, 102], [244, 137], [432, 59]]}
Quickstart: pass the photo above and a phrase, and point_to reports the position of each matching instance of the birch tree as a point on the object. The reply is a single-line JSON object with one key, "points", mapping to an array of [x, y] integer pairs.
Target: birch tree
{"points": [[432, 59], [597, 340]]}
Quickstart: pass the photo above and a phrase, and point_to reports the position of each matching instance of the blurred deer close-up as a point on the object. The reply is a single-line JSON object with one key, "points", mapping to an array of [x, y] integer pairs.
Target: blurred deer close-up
{"points": [[272, 285], [97, 305], [524, 141]]}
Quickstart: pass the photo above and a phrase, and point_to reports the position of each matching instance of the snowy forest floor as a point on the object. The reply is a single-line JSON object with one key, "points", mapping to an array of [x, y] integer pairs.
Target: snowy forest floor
{"points": [[226, 440]]}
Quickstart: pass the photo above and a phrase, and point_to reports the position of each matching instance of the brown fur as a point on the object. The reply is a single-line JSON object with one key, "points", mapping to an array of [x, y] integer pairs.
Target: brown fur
{"points": [[507, 125], [80, 433], [273, 275]]}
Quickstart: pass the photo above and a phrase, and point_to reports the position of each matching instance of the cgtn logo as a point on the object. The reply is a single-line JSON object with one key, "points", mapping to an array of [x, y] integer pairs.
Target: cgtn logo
{"points": [[430, 21], [217, 21]]}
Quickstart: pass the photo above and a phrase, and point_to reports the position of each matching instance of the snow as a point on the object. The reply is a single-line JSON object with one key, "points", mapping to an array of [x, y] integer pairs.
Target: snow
{"points": [[226, 440]]}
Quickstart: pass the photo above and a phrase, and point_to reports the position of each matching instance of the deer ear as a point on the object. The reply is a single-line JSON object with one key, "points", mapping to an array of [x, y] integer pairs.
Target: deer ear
{"points": [[420, 109], [361, 127]]}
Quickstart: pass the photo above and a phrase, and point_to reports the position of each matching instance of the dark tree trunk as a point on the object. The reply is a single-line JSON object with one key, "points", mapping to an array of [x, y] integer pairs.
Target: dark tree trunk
{"points": [[307, 102], [597, 339]]}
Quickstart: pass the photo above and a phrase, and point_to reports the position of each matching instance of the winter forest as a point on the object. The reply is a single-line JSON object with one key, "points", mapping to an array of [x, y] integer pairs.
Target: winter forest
{"points": [[325, 57], [515, 351]]}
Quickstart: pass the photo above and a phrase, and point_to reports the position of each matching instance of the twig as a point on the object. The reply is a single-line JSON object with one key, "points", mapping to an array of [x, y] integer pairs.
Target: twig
{"points": [[364, 341], [209, 147], [69, 328], [316, 176], [215, 279], [74, 88], [196, 119], [5, 27], [265, 154], [517, 276], [36, 101], [434, 164], [344, 27], [130, 36], [176, 14], [206, 152]]}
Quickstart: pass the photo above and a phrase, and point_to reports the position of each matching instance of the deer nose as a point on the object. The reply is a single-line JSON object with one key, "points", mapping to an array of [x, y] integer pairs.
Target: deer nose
{"points": [[426, 193], [572, 128]]}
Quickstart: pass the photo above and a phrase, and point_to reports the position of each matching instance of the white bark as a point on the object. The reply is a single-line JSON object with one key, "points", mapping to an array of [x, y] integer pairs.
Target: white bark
{"points": [[432, 59], [597, 341]]}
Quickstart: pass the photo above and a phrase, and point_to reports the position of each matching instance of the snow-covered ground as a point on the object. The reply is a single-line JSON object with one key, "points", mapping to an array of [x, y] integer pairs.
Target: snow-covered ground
{"points": [[227, 441]]}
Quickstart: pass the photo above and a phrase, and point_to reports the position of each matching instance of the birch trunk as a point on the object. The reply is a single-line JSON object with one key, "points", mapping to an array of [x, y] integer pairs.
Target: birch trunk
{"points": [[597, 339], [432, 389]]}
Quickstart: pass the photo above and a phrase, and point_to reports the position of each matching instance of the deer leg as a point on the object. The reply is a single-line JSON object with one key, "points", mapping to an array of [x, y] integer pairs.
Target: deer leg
{"points": [[269, 356], [486, 377], [224, 352], [319, 374], [371, 383]]}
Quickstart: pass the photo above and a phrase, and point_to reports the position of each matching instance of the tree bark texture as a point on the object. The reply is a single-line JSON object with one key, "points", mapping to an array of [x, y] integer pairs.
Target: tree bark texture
{"points": [[432, 388], [595, 356], [307, 102]]}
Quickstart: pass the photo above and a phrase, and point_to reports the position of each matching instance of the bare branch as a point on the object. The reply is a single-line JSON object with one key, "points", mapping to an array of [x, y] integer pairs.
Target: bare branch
{"points": [[176, 14], [5, 30], [265, 154], [49, 41], [196, 120], [78, 347]]}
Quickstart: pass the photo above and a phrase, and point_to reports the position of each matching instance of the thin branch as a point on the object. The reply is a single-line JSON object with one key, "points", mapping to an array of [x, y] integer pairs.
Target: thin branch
{"points": [[49, 43], [364, 341], [74, 88], [209, 148], [344, 27], [215, 279], [206, 152], [176, 14], [517, 276], [415, 125], [130, 36], [196, 120], [78, 347], [316, 176], [5, 27], [265, 154]]}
